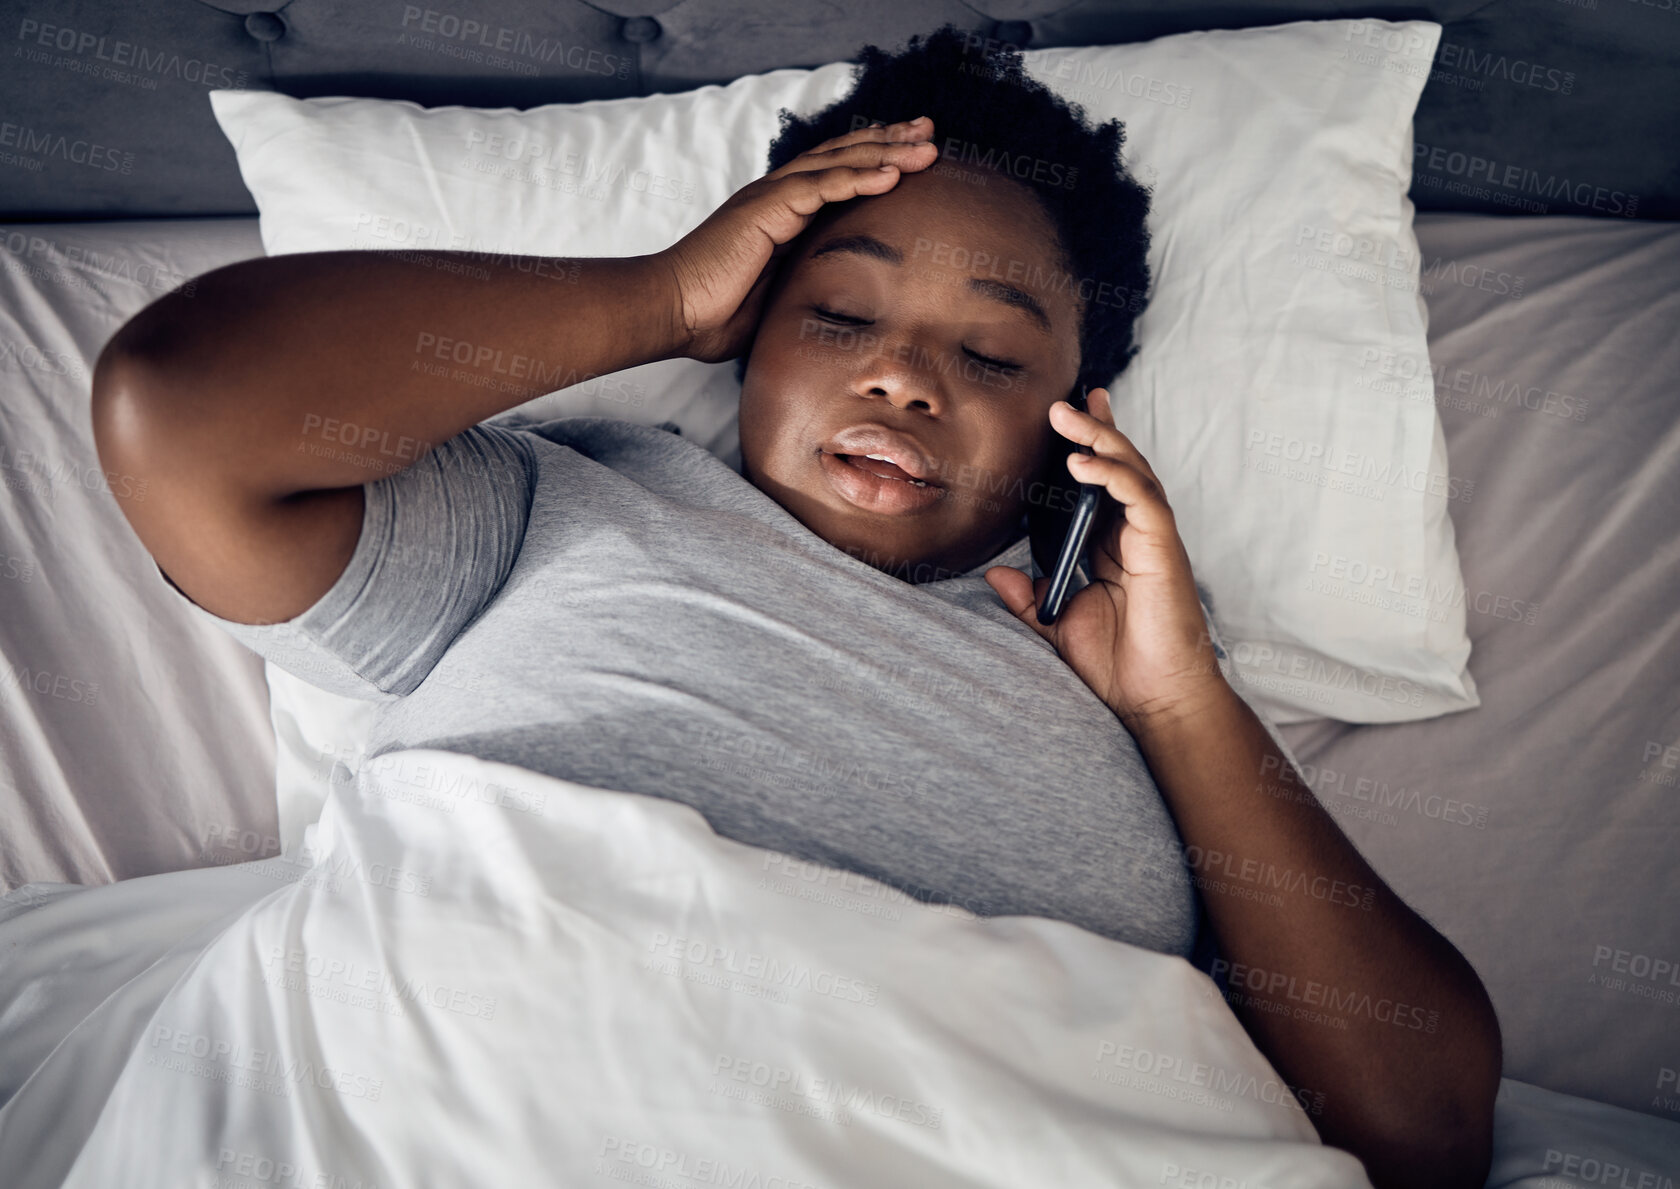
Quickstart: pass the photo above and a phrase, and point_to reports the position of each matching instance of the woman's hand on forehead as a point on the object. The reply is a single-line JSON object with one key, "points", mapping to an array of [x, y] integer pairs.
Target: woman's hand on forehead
{"points": [[722, 269]]}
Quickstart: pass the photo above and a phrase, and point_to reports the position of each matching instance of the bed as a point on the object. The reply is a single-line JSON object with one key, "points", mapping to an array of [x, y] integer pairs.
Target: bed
{"points": [[1536, 831]]}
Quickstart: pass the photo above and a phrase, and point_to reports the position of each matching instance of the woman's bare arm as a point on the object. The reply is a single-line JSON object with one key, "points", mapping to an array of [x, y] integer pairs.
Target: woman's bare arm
{"points": [[1355, 999], [256, 407]]}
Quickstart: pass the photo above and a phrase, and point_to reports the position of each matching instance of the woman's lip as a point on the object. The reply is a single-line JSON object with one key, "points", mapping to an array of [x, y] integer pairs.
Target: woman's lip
{"points": [[876, 493]]}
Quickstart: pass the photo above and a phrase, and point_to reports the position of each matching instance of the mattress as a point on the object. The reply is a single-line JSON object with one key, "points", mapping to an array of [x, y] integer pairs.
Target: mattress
{"points": [[1534, 832]]}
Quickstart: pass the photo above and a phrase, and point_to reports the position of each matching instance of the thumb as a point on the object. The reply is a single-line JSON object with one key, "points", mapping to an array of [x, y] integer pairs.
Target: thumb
{"points": [[1018, 593]]}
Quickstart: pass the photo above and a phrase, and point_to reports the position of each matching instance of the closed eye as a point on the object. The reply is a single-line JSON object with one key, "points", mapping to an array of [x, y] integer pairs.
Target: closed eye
{"points": [[828, 315], [843, 319], [1001, 365]]}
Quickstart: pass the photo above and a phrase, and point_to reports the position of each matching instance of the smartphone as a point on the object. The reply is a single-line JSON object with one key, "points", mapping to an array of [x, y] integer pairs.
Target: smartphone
{"points": [[1078, 534]]}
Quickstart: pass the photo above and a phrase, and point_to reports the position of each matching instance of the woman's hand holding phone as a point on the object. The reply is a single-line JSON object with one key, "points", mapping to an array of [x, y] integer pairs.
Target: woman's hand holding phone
{"points": [[1135, 634], [721, 270]]}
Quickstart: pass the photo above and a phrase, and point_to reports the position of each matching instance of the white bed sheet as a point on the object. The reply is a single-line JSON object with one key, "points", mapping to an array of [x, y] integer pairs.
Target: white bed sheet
{"points": [[475, 974], [133, 739], [481, 975]]}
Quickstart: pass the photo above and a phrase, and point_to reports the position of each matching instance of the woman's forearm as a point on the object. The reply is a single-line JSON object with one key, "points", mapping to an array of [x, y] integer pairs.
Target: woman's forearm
{"points": [[1349, 993], [323, 370]]}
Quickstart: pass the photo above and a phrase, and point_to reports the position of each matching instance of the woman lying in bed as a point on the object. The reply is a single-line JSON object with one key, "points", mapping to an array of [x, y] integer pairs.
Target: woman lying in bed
{"points": [[834, 653]]}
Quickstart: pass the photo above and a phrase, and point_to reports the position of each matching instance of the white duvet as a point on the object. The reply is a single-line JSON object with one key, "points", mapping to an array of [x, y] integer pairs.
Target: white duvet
{"points": [[477, 975]]}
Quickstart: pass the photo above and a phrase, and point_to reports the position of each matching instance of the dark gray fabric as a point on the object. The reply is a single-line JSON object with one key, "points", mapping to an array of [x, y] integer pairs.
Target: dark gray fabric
{"points": [[1570, 105]]}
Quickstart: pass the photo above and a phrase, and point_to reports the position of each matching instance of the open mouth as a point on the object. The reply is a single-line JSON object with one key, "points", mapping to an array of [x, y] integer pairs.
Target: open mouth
{"points": [[880, 464], [875, 483]]}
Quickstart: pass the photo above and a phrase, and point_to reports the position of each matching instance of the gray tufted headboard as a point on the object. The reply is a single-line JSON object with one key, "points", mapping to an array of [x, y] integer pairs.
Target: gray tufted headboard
{"points": [[1569, 105]]}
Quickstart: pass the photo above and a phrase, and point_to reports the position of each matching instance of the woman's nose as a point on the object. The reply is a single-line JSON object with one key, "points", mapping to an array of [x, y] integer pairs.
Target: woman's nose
{"points": [[902, 383]]}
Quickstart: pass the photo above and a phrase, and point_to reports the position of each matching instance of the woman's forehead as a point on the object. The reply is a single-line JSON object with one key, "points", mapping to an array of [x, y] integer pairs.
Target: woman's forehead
{"points": [[943, 227]]}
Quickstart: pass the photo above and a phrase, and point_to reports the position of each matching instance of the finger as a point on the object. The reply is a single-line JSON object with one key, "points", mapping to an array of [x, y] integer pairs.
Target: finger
{"points": [[804, 194], [1102, 437], [1020, 595], [921, 128], [1138, 494], [781, 210], [1100, 406], [905, 155]]}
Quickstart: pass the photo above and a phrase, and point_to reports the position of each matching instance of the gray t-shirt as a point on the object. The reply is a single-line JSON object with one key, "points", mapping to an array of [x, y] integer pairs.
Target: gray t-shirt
{"points": [[613, 605]]}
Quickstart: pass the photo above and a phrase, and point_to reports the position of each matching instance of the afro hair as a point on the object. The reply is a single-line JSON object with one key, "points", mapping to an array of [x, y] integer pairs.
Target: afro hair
{"points": [[988, 112]]}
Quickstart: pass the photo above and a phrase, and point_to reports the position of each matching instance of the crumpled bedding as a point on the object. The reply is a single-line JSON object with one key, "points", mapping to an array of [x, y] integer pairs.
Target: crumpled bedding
{"points": [[476, 974]]}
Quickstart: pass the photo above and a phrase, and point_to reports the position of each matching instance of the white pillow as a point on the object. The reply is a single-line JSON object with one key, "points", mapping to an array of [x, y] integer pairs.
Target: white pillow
{"points": [[1286, 273]]}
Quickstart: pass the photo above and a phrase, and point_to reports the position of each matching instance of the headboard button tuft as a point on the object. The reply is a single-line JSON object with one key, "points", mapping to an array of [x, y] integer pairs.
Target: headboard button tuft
{"points": [[265, 26], [640, 30]]}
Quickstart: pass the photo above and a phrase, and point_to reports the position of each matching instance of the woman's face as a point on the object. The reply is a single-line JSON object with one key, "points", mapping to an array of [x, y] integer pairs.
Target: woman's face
{"points": [[933, 325]]}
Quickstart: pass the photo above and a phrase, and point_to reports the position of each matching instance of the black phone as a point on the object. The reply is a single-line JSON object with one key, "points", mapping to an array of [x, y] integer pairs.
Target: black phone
{"points": [[1078, 535]]}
